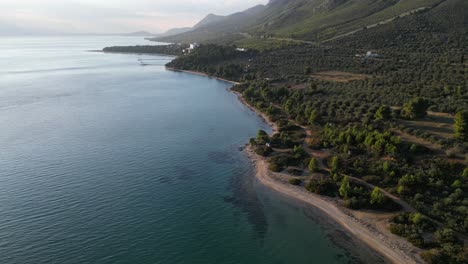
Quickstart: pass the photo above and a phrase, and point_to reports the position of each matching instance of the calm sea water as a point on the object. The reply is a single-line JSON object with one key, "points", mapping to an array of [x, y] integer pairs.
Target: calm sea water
{"points": [[103, 160]]}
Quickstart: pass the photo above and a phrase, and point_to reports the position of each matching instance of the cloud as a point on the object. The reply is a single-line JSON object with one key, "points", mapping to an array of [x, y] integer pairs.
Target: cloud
{"points": [[94, 16]]}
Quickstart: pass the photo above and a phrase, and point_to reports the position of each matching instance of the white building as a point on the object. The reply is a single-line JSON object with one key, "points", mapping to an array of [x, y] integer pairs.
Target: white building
{"points": [[194, 46], [371, 54]]}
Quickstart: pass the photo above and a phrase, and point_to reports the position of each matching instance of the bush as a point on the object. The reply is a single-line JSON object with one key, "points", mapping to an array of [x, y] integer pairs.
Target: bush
{"points": [[446, 236], [263, 151], [354, 203], [274, 167], [313, 165], [322, 187], [416, 239], [278, 163], [377, 197], [433, 256], [295, 181], [398, 229]]}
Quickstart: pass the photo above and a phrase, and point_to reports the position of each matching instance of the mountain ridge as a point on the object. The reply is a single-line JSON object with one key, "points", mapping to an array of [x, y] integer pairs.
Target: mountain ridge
{"points": [[309, 20]]}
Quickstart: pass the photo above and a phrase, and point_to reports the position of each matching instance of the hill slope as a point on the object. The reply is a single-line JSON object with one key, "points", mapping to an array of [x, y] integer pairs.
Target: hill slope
{"points": [[313, 20]]}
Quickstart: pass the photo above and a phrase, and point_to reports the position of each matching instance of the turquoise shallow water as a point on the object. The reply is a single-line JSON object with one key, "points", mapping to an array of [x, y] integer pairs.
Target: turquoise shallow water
{"points": [[106, 161]]}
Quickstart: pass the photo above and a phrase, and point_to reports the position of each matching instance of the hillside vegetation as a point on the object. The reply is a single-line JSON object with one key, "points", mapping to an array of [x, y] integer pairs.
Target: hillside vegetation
{"points": [[314, 20]]}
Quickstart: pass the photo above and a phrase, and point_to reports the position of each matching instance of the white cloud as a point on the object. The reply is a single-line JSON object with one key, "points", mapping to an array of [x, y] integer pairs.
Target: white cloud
{"points": [[110, 16]]}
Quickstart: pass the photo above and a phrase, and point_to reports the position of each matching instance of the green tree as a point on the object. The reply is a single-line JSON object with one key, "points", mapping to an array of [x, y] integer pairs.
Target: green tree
{"points": [[457, 184], [298, 152], [386, 166], [262, 137], [461, 125], [345, 187], [334, 164], [313, 165], [416, 218], [446, 235], [415, 108], [313, 117], [465, 172], [308, 70], [377, 197], [383, 113], [288, 106]]}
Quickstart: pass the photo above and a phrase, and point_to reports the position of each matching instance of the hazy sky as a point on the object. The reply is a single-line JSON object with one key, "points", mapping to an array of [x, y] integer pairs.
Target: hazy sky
{"points": [[109, 16]]}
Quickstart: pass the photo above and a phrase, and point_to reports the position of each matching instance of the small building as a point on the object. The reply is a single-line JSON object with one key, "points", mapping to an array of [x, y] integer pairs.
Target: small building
{"points": [[194, 46], [371, 54], [241, 49], [191, 47]]}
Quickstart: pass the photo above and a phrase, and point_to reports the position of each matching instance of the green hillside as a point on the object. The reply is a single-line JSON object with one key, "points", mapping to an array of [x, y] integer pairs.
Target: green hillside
{"points": [[312, 20], [307, 21]]}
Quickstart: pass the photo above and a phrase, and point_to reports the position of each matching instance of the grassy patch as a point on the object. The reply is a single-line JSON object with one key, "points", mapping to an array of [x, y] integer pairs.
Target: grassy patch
{"points": [[439, 125]]}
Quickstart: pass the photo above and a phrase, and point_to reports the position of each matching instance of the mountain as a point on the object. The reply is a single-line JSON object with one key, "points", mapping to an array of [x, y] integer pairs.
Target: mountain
{"points": [[311, 20], [209, 19], [215, 28], [174, 31]]}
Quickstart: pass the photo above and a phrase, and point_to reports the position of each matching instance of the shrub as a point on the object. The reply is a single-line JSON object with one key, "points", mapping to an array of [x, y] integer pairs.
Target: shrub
{"points": [[295, 181], [377, 197], [446, 236], [434, 256], [313, 165], [280, 161], [322, 187], [345, 188], [416, 239], [353, 203], [263, 151], [274, 167]]}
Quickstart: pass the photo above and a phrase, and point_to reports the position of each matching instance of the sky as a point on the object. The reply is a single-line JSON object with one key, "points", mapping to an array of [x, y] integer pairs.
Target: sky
{"points": [[109, 16]]}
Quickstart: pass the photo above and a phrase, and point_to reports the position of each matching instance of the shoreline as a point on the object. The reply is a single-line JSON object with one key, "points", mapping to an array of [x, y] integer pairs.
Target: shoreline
{"points": [[355, 223], [264, 117], [393, 248], [134, 53], [202, 74]]}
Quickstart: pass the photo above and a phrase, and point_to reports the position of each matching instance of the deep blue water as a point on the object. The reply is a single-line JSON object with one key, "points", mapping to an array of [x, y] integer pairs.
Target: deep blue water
{"points": [[106, 161]]}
